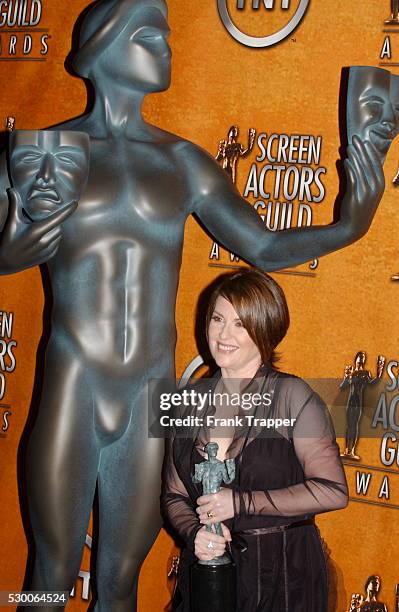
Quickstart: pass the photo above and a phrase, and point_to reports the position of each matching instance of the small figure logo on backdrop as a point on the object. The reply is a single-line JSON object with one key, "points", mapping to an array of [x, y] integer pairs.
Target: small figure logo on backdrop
{"points": [[230, 151], [356, 377], [292, 11], [370, 601], [22, 37]]}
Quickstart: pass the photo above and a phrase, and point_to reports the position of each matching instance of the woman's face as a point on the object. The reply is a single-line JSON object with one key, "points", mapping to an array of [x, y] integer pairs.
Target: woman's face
{"points": [[230, 344]]}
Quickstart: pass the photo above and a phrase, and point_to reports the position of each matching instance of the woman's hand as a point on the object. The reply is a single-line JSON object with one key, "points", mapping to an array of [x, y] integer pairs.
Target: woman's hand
{"points": [[208, 545], [216, 507]]}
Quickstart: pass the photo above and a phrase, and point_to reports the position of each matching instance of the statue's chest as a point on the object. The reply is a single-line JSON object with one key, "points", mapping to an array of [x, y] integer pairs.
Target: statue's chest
{"points": [[133, 190]]}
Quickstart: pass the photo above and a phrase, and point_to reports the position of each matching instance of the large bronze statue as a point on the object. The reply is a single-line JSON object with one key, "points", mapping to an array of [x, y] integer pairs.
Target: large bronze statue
{"points": [[114, 263]]}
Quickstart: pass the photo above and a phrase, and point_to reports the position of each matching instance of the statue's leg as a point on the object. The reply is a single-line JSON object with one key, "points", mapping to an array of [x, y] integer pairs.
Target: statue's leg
{"points": [[348, 433], [129, 511], [62, 463], [353, 427]]}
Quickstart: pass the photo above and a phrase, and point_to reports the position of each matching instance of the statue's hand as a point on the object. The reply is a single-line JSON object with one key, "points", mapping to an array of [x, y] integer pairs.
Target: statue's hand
{"points": [[365, 187], [221, 150], [380, 365], [25, 244], [219, 505]]}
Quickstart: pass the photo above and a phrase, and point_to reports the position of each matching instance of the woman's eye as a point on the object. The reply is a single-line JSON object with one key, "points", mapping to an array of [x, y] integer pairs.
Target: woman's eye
{"points": [[239, 324], [216, 318]]}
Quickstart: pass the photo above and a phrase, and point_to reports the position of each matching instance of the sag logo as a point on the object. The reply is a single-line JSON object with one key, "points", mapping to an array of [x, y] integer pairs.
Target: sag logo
{"points": [[272, 38]]}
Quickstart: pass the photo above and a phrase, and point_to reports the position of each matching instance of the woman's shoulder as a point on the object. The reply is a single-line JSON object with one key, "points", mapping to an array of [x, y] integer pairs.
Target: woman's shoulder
{"points": [[295, 393], [291, 383]]}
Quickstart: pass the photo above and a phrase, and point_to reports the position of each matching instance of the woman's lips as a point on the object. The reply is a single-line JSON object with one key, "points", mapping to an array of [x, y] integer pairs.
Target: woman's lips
{"points": [[226, 348]]}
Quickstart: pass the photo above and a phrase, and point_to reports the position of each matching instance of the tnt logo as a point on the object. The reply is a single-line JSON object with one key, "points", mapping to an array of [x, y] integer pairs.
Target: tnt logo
{"points": [[292, 14], [269, 4]]}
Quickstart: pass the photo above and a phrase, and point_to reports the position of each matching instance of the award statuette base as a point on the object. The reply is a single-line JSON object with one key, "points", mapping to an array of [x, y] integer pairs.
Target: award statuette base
{"points": [[213, 588]]}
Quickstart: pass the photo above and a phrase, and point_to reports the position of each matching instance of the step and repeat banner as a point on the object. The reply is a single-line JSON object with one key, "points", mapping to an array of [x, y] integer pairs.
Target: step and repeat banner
{"points": [[262, 86]]}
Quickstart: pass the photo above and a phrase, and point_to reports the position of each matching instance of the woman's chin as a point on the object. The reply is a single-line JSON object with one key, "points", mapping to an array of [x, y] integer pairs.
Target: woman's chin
{"points": [[225, 361]]}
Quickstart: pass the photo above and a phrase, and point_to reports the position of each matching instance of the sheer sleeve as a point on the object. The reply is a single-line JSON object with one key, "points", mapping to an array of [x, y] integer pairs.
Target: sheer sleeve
{"points": [[176, 504], [324, 487]]}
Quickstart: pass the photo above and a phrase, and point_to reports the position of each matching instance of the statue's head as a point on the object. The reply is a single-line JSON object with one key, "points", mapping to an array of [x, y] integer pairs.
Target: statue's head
{"points": [[126, 41], [212, 449], [48, 168], [370, 112], [233, 132], [360, 359], [394, 95], [373, 584]]}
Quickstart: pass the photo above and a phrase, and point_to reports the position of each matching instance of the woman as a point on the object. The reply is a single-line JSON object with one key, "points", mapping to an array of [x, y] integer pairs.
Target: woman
{"points": [[284, 475]]}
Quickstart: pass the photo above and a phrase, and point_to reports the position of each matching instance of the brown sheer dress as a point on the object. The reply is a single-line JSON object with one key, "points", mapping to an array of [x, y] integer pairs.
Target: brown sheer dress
{"points": [[283, 478]]}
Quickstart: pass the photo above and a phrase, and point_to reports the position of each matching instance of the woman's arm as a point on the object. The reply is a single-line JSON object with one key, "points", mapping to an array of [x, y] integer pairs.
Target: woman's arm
{"points": [[179, 510], [176, 504], [324, 487]]}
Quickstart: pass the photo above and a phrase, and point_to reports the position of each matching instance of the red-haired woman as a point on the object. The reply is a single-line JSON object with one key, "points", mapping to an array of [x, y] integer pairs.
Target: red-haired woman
{"points": [[287, 461]]}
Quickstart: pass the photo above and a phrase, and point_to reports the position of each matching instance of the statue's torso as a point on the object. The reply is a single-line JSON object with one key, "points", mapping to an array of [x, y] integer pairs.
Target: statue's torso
{"points": [[116, 272], [359, 380], [212, 476]]}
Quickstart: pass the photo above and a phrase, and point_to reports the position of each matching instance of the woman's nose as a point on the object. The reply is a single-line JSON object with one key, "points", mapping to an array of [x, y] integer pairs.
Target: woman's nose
{"points": [[224, 331]]}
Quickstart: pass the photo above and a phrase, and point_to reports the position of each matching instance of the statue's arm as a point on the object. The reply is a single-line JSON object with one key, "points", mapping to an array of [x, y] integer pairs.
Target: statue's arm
{"points": [[229, 471], [198, 472], [221, 150], [380, 370], [234, 223], [25, 244], [251, 141], [347, 379]]}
